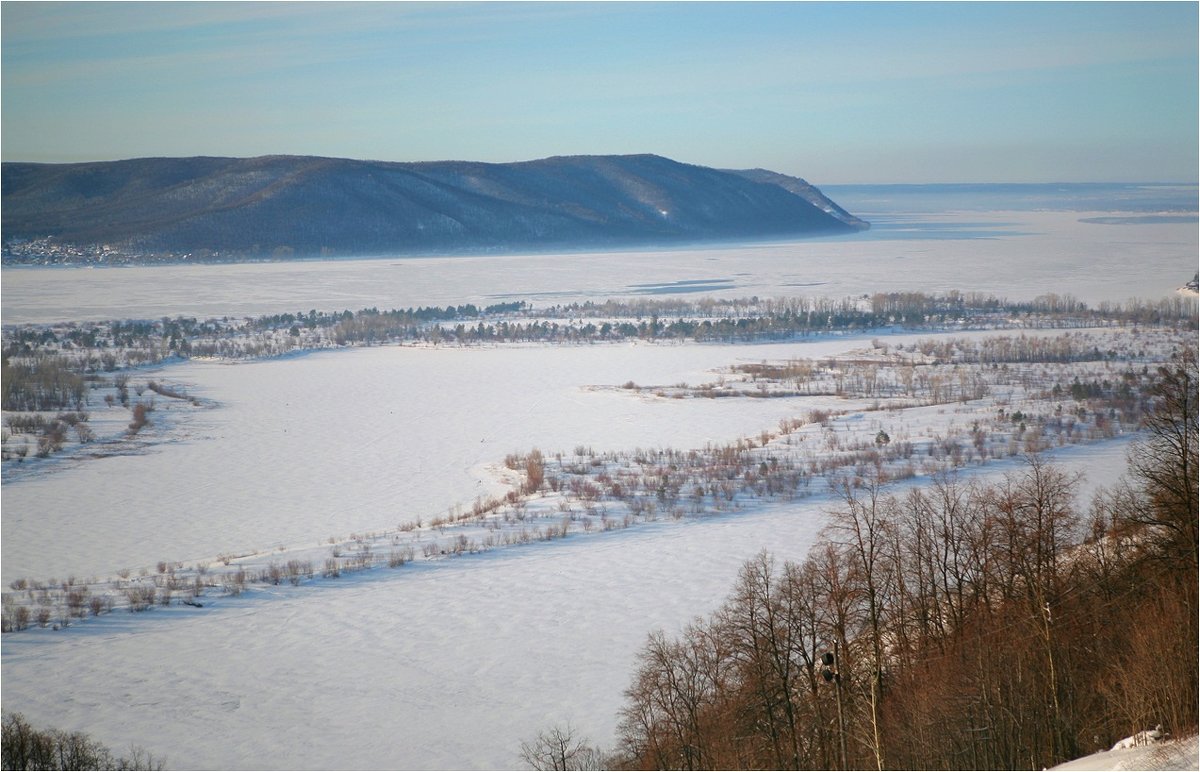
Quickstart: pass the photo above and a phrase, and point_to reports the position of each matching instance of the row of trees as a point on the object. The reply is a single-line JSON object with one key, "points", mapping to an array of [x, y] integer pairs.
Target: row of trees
{"points": [[704, 319], [892, 307], [965, 625]]}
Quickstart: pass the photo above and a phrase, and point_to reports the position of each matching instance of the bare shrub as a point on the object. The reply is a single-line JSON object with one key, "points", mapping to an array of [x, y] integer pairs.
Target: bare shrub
{"points": [[15, 617], [535, 472], [299, 569], [140, 417], [140, 598], [77, 601], [397, 558], [237, 582], [52, 439]]}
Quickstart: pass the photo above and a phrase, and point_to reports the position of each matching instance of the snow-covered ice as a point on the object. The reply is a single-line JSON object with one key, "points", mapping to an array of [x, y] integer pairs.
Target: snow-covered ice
{"points": [[1043, 252], [304, 448], [445, 664], [437, 666]]}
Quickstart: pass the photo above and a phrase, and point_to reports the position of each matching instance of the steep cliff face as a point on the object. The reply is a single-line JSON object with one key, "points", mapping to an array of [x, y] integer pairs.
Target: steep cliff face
{"points": [[805, 190], [301, 206]]}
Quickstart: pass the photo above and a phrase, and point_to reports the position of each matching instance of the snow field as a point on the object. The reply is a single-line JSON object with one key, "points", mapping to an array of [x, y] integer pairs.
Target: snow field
{"points": [[449, 663], [439, 665], [310, 447], [1182, 754], [442, 663], [304, 452]]}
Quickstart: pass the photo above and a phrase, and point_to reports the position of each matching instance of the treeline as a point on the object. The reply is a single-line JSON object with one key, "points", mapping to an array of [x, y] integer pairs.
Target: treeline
{"points": [[712, 320], [909, 308], [394, 319], [961, 626], [165, 337], [107, 346], [25, 747]]}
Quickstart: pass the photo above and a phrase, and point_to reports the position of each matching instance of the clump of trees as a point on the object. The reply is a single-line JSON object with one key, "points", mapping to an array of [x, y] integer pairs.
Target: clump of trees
{"points": [[51, 433], [964, 625], [25, 747], [141, 417], [43, 382]]}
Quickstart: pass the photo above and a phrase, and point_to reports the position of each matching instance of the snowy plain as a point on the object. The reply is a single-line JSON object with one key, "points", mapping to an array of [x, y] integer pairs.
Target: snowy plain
{"points": [[297, 450], [348, 441], [1180, 754], [446, 664], [439, 666]]}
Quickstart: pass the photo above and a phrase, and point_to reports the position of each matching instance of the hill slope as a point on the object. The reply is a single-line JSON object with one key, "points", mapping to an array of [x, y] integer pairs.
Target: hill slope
{"points": [[303, 206]]}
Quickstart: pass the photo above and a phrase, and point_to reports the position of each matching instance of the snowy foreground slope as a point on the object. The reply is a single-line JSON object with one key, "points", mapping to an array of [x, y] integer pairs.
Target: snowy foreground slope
{"points": [[1171, 755]]}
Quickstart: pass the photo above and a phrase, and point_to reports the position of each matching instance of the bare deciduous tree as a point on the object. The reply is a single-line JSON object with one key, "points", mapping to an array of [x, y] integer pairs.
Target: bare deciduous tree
{"points": [[560, 748]]}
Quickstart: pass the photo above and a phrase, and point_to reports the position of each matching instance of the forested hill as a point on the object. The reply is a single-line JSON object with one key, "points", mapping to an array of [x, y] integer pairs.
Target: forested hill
{"points": [[299, 206]]}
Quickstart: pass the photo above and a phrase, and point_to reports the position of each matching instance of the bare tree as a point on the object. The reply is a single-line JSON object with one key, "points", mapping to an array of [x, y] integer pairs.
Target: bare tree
{"points": [[764, 645], [863, 528], [673, 716], [1166, 463], [560, 748]]}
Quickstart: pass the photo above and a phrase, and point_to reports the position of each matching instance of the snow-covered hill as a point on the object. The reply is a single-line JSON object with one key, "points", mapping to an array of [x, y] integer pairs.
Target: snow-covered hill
{"points": [[298, 206]]}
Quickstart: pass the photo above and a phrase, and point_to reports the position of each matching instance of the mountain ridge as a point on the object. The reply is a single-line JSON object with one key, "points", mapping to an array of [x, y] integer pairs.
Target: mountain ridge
{"points": [[281, 206]]}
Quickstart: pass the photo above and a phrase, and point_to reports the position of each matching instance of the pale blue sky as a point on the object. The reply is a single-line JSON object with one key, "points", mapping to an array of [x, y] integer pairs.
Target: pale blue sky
{"points": [[833, 92]]}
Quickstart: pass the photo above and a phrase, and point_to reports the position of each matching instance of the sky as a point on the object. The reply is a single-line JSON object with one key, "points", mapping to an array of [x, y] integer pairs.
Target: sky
{"points": [[832, 92]]}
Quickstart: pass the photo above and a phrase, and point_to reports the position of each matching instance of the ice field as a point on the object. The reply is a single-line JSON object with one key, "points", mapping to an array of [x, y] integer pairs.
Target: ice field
{"points": [[450, 664]]}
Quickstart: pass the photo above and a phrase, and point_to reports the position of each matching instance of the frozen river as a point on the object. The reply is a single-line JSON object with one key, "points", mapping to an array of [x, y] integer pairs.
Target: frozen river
{"points": [[450, 665], [1017, 255]]}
